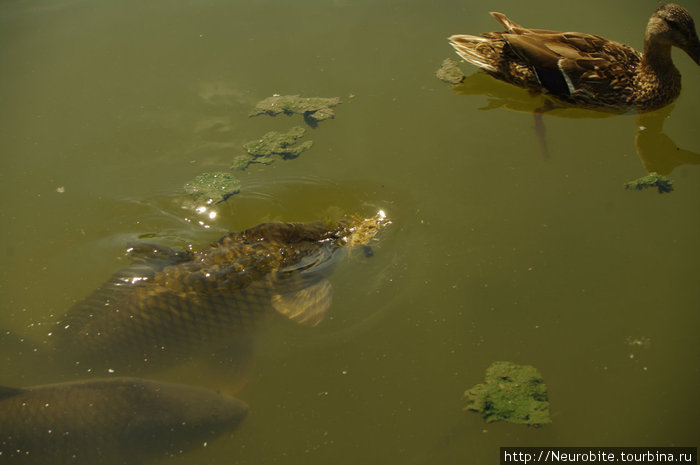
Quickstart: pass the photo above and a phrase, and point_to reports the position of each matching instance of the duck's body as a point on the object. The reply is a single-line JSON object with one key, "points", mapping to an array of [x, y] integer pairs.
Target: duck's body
{"points": [[587, 70]]}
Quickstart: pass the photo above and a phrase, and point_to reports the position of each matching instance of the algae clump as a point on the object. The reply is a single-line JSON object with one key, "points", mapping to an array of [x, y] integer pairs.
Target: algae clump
{"points": [[213, 187], [314, 109], [449, 72], [241, 162], [273, 143], [662, 183], [511, 392]]}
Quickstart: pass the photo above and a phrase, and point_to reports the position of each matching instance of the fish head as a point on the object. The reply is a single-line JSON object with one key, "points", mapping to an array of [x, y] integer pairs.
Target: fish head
{"points": [[358, 232]]}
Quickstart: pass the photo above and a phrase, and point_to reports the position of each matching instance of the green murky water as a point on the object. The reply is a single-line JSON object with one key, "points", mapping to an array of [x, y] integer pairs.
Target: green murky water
{"points": [[495, 252]]}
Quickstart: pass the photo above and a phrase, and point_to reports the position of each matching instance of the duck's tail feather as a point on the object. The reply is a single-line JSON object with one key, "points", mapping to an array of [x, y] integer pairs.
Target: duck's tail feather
{"points": [[509, 25], [472, 48]]}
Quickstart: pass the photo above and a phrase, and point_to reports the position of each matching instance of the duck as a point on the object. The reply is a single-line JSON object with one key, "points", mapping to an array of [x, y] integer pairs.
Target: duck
{"points": [[586, 70]]}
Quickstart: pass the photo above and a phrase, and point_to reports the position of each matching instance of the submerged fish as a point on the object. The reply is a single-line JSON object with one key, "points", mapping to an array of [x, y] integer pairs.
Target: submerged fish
{"points": [[170, 304], [110, 421]]}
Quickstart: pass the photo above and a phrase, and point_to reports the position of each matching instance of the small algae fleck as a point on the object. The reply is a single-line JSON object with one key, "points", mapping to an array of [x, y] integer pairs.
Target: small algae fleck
{"points": [[314, 109], [513, 393], [662, 183], [210, 188], [449, 72]]}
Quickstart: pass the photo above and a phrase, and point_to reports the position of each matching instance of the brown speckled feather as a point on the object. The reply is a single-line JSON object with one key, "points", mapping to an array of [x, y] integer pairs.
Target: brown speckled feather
{"points": [[587, 70]]}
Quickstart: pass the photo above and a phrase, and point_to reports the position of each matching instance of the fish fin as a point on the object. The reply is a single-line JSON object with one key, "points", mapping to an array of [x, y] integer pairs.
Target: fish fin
{"points": [[307, 306], [6, 391]]}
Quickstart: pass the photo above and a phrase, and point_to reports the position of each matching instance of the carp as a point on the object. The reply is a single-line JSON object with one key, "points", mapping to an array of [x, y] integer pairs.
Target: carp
{"points": [[110, 421], [169, 305]]}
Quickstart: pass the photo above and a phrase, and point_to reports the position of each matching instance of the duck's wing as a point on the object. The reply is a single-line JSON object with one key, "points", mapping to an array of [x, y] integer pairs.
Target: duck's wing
{"points": [[567, 63]]}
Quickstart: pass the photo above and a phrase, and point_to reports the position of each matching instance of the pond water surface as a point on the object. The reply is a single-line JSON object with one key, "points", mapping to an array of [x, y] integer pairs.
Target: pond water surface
{"points": [[496, 251]]}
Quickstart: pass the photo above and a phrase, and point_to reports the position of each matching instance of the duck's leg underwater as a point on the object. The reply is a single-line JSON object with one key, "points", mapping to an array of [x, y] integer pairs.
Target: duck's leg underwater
{"points": [[539, 125], [540, 132]]}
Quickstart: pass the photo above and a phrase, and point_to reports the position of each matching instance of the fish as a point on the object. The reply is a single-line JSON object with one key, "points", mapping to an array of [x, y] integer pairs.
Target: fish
{"points": [[170, 305], [110, 421]]}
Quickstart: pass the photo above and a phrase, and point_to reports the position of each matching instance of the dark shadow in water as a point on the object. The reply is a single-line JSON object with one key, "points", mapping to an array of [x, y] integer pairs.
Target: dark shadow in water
{"points": [[510, 97], [658, 153]]}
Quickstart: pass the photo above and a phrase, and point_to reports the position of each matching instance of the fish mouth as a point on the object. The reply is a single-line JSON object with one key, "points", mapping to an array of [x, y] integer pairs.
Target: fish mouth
{"points": [[361, 232]]}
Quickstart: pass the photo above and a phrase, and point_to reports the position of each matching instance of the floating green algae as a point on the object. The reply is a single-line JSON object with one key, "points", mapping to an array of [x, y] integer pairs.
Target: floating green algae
{"points": [[662, 183], [213, 187], [450, 72], [272, 145], [511, 392], [314, 109], [241, 162], [282, 144]]}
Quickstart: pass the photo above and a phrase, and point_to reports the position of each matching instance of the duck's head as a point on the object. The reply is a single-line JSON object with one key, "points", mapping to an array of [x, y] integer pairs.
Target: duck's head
{"points": [[671, 25]]}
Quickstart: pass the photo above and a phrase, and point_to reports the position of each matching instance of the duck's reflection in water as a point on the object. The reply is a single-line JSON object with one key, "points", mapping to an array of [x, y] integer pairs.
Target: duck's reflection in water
{"points": [[658, 153]]}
